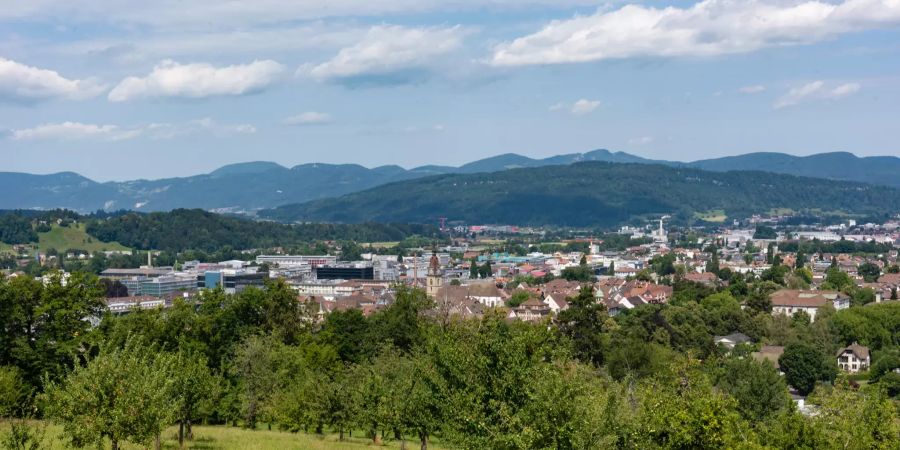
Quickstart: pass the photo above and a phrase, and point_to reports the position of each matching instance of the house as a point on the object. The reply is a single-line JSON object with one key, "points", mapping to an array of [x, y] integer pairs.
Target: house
{"points": [[707, 278], [557, 302], [792, 301], [770, 353], [532, 310], [731, 340], [854, 358]]}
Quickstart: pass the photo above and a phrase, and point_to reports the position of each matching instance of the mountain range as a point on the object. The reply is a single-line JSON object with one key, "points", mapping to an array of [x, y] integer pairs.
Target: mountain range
{"points": [[595, 193], [253, 186]]}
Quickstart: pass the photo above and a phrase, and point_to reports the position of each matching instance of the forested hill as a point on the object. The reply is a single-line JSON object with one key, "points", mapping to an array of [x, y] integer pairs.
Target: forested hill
{"points": [[592, 193]]}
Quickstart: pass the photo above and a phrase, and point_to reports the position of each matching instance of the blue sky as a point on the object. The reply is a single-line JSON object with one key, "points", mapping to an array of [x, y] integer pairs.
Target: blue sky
{"points": [[123, 89]]}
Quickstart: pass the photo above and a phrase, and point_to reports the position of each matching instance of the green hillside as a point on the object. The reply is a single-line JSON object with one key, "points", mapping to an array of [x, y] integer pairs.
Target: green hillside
{"points": [[593, 193], [74, 237]]}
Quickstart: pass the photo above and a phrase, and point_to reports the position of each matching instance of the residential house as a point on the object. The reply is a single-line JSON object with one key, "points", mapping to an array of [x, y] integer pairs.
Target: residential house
{"points": [[733, 339], [854, 358], [792, 301]]}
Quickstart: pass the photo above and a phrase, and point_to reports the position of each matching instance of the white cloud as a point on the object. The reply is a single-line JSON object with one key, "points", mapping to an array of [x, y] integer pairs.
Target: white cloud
{"points": [[308, 118], [755, 89], [643, 140], [26, 83], [198, 80], [815, 90], [390, 50], [68, 131], [707, 28], [581, 107]]}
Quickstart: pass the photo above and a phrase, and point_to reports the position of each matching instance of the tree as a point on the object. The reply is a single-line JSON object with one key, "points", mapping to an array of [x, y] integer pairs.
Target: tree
{"points": [[583, 261], [764, 232], [486, 271], [578, 273], [517, 298], [837, 280], [865, 419], [611, 270], [122, 395], [254, 366], [192, 385], [803, 366], [14, 392], [583, 323], [473, 269], [869, 271], [712, 266], [758, 388]]}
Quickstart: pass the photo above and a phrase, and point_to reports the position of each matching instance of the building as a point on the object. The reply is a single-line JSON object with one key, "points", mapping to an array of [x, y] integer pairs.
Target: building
{"points": [[166, 285], [791, 301], [435, 279], [854, 358], [731, 340], [297, 260], [345, 273], [146, 272], [231, 281]]}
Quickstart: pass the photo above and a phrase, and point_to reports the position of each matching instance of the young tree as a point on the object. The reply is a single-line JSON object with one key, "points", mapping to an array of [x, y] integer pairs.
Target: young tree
{"points": [[121, 395], [192, 385], [869, 271]]}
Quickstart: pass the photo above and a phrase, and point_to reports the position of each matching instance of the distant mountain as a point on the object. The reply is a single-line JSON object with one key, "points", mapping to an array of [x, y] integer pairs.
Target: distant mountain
{"points": [[248, 187], [884, 170], [591, 193]]}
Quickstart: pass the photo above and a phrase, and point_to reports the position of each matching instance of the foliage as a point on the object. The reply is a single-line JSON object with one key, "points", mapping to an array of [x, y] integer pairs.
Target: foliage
{"points": [[15, 229], [760, 391], [803, 366], [184, 229], [121, 395], [583, 323]]}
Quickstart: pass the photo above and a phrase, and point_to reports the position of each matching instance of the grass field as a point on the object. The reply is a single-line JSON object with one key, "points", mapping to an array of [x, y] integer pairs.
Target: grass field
{"points": [[384, 244], [74, 237], [715, 216], [231, 438]]}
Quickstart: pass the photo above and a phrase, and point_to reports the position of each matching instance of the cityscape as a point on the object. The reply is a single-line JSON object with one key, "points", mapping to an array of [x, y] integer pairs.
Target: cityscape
{"points": [[457, 224]]}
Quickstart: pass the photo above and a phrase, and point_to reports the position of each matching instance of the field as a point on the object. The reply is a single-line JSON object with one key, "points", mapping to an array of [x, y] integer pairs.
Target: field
{"points": [[74, 237], [714, 215], [231, 438]]}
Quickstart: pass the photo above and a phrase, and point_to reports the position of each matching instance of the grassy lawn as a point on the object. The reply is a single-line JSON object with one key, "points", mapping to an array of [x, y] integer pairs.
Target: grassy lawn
{"points": [[715, 215], [228, 438], [74, 236]]}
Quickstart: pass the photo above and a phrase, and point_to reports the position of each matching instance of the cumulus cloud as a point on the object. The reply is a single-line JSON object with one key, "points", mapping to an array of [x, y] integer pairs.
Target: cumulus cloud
{"points": [[755, 89], [308, 118], [68, 131], [390, 53], [20, 82], [707, 28], [815, 90], [581, 107], [198, 80]]}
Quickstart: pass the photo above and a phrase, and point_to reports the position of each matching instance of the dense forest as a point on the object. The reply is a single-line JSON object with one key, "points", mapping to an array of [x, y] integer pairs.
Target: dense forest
{"points": [[194, 229], [591, 194], [647, 378]]}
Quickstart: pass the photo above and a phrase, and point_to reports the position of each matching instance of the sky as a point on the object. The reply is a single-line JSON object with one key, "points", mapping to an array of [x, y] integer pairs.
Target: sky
{"points": [[127, 89]]}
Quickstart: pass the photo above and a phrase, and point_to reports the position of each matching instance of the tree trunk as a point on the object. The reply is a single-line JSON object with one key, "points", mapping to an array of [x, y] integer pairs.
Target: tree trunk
{"points": [[319, 428], [181, 433], [424, 438], [157, 444], [115, 444], [341, 433], [190, 430]]}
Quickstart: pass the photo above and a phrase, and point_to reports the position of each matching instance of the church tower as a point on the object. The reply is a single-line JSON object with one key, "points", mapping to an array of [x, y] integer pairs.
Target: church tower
{"points": [[435, 279]]}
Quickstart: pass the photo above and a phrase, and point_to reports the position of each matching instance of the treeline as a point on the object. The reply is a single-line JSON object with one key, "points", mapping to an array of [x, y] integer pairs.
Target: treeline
{"points": [[15, 229], [815, 246], [648, 378]]}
